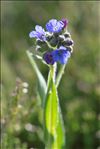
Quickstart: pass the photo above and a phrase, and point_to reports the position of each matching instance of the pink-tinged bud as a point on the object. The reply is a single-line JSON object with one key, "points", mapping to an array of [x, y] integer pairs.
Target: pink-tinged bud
{"points": [[65, 22]]}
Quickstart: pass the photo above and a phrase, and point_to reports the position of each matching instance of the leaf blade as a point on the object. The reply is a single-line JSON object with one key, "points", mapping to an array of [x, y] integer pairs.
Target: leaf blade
{"points": [[41, 81], [53, 121]]}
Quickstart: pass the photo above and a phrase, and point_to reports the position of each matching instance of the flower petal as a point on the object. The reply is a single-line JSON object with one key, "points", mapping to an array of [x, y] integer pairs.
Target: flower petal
{"points": [[48, 57], [61, 55], [39, 29], [33, 34], [54, 26], [39, 33]]}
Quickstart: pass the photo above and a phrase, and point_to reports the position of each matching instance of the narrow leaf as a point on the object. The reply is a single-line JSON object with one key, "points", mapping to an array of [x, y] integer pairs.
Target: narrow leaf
{"points": [[60, 141], [54, 132], [41, 81]]}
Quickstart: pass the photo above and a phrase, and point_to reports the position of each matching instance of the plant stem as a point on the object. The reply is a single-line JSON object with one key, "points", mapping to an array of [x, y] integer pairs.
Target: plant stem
{"points": [[60, 73], [51, 75], [51, 79]]}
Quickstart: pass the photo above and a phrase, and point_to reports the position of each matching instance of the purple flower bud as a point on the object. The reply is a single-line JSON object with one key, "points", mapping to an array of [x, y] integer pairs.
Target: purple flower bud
{"points": [[65, 22], [48, 57], [68, 42]]}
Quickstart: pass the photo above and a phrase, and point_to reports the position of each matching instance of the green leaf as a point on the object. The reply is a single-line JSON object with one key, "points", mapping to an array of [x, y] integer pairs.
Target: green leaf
{"points": [[54, 132], [41, 81], [60, 132]]}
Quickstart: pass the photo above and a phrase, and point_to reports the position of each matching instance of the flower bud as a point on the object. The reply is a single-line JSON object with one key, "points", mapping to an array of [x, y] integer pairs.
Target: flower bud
{"points": [[48, 58], [70, 49], [49, 36], [41, 46], [61, 38], [65, 22], [40, 42], [37, 48], [53, 42], [68, 42], [67, 34]]}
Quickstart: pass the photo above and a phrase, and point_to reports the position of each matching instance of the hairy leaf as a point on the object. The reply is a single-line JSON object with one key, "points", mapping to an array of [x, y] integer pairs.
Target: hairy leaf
{"points": [[41, 81], [54, 132]]}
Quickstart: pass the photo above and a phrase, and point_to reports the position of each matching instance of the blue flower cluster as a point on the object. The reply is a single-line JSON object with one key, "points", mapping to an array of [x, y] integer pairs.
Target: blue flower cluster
{"points": [[56, 39]]}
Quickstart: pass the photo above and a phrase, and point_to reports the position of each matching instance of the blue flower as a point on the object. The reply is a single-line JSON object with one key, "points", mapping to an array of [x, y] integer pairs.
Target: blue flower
{"points": [[39, 33], [61, 55], [54, 26], [48, 58]]}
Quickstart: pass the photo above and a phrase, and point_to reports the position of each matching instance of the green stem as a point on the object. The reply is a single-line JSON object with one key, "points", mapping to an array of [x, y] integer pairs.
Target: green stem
{"points": [[53, 71], [51, 77], [60, 73]]}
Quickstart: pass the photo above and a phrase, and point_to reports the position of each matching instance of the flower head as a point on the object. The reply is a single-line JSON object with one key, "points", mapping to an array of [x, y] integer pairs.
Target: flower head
{"points": [[39, 33], [54, 26], [61, 55], [54, 36]]}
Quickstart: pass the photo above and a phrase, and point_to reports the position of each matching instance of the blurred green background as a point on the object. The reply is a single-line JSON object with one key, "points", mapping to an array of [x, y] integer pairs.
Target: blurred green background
{"points": [[79, 91]]}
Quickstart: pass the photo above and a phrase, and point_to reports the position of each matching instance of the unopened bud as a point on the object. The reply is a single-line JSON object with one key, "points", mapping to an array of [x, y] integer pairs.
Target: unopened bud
{"points": [[38, 48], [70, 49], [49, 36], [40, 42], [67, 34], [53, 42], [61, 38], [68, 42], [65, 22]]}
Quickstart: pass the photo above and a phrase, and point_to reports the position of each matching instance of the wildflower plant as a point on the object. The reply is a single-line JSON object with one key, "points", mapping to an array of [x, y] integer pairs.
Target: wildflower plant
{"points": [[52, 46]]}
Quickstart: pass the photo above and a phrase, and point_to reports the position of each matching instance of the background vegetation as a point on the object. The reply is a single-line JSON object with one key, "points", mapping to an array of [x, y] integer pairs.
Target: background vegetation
{"points": [[79, 90]]}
